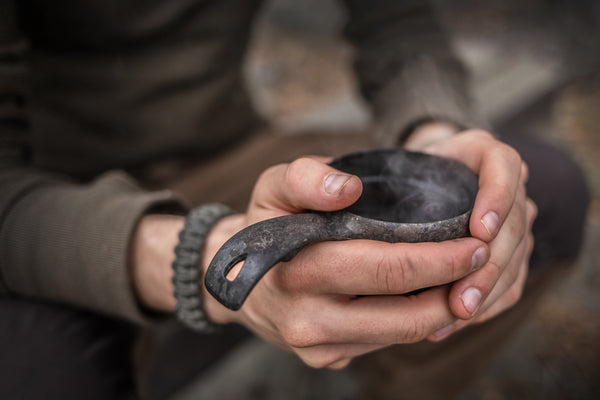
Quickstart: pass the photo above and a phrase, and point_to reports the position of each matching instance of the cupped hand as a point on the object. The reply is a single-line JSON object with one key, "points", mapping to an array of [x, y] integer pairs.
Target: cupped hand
{"points": [[313, 305], [502, 216]]}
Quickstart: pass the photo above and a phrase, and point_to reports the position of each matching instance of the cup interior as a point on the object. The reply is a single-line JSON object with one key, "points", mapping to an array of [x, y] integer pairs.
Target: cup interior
{"points": [[409, 187]]}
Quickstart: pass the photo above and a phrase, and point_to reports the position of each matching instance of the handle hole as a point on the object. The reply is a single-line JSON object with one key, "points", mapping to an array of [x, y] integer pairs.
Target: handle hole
{"points": [[234, 271]]}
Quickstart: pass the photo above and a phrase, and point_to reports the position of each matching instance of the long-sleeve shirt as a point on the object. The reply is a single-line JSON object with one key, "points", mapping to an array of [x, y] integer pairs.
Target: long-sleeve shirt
{"points": [[92, 88]]}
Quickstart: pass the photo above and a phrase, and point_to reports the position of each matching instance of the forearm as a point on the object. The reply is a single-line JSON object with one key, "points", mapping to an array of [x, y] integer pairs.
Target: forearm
{"points": [[70, 243]]}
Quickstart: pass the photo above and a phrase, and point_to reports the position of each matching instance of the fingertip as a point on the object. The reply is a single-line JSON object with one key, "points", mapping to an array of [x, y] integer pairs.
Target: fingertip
{"points": [[458, 307], [466, 297], [480, 257], [471, 299], [344, 189], [334, 183], [308, 183], [491, 223], [484, 225], [353, 189]]}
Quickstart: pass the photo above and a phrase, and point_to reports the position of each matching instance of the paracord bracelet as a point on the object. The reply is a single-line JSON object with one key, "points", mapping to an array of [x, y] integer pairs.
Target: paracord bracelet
{"points": [[186, 264]]}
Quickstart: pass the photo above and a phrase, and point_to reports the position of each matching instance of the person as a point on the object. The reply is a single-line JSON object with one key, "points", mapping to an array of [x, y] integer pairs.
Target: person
{"points": [[106, 103]]}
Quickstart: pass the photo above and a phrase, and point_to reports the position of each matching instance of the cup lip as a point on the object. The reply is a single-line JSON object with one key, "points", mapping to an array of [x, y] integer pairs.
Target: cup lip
{"points": [[385, 150], [457, 218]]}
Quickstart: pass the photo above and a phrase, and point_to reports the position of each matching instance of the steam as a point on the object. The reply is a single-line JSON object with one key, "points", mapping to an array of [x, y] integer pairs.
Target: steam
{"points": [[411, 187]]}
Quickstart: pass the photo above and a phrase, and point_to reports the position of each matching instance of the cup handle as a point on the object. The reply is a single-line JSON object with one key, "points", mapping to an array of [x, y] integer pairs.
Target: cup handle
{"points": [[261, 246]]}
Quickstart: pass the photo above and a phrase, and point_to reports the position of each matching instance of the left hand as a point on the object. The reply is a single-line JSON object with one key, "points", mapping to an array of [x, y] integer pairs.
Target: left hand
{"points": [[502, 216]]}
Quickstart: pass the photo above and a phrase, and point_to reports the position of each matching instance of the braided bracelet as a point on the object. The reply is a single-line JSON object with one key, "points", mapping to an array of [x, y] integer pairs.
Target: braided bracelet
{"points": [[186, 264]]}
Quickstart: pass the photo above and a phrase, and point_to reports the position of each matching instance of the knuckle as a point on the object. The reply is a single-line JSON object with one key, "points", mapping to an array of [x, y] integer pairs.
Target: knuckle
{"points": [[269, 173], [413, 331], [514, 295], [338, 365], [480, 133], [515, 291], [508, 153], [532, 209], [416, 332], [296, 170], [520, 229], [512, 275], [264, 181], [457, 265], [524, 171], [518, 224], [315, 362], [494, 270], [318, 360], [530, 243], [391, 274], [301, 333]]}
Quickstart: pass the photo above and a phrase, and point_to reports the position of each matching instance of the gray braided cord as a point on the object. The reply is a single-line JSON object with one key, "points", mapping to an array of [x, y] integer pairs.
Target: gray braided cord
{"points": [[186, 264]]}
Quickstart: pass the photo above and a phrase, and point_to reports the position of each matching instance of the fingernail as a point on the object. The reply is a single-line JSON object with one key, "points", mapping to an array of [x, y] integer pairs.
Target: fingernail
{"points": [[471, 299], [442, 333], [479, 258], [335, 182], [490, 222]]}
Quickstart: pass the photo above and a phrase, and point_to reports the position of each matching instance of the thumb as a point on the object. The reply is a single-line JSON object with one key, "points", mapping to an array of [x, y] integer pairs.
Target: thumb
{"points": [[306, 183]]}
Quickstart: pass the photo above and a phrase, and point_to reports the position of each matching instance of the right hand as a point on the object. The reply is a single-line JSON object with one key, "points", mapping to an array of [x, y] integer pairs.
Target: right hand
{"points": [[310, 306]]}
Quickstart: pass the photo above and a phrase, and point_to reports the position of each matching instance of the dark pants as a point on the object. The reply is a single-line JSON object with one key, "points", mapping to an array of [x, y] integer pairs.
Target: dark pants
{"points": [[50, 351], [54, 352]]}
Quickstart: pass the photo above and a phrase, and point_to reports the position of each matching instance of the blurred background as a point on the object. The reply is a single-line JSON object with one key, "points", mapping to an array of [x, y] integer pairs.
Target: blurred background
{"points": [[536, 68]]}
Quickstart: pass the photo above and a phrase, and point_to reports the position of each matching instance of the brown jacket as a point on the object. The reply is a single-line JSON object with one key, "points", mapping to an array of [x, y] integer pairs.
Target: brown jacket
{"points": [[92, 88]]}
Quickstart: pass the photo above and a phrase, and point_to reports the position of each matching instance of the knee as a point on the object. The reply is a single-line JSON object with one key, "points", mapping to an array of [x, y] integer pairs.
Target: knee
{"points": [[558, 186]]}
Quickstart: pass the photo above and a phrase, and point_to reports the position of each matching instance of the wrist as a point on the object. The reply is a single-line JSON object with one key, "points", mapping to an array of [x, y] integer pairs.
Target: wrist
{"points": [[219, 234], [429, 132], [151, 256]]}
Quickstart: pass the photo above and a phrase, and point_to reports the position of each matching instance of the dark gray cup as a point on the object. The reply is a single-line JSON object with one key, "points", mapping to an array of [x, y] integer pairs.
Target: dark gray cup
{"points": [[407, 197]]}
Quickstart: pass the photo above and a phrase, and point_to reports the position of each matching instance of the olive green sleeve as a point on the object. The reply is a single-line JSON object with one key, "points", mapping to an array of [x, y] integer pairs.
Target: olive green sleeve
{"points": [[406, 67], [69, 243]]}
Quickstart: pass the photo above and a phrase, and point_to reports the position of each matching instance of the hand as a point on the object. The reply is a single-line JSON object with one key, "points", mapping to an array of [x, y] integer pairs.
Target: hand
{"points": [[310, 306], [502, 216]]}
